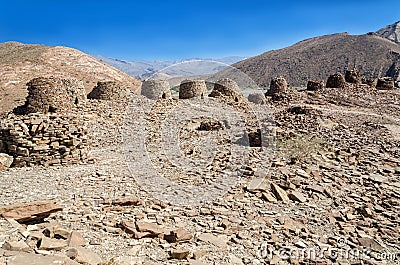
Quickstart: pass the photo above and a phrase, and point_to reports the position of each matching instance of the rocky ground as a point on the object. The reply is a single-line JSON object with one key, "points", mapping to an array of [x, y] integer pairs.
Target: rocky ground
{"points": [[330, 194]]}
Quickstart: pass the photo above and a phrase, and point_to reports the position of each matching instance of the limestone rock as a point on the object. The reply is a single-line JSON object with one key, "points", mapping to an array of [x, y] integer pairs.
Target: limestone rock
{"points": [[279, 193], [76, 240], [5, 161], [210, 238], [84, 256], [52, 244], [257, 98], [16, 246], [178, 235], [180, 254], [32, 211]]}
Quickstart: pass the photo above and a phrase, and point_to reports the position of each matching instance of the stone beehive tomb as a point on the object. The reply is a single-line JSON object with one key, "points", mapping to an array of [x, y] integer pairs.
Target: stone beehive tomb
{"points": [[156, 89], [50, 94], [352, 76], [109, 90], [225, 87], [277, 87], [44, 139], [313, 85], [336, 81], [192, 88], [385, 83]]}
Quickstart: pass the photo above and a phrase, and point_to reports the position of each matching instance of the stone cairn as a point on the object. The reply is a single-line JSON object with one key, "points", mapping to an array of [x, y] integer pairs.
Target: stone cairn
{"points": [[192, 88], [278, 87], [109, 90], [336, 81], [385, 83], [156, 89], [53, 95], [257, 98], [314, 85], [352, 76], [44, 139]]}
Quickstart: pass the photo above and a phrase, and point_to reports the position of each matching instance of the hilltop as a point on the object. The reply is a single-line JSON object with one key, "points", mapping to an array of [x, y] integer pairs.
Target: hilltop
{"points": [[20, 63]]}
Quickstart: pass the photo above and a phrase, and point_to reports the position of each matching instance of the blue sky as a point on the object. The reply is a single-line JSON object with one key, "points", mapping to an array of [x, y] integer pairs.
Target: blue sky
{"points": [[177, 29]]}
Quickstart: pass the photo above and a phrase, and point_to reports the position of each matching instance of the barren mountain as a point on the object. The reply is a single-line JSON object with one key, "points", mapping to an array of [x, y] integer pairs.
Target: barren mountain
{"points": [[317, 58], [20, 63], [391, 32], [179, 68]]}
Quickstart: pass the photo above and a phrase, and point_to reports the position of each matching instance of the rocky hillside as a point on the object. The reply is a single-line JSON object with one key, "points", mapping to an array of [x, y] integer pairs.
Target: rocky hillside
{"points": [[318, 57], [391, 32], [20, 63]]}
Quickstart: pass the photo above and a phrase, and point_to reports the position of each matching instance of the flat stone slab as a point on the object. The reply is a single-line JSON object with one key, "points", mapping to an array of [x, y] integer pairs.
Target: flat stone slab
{"points": [[31, 211]]}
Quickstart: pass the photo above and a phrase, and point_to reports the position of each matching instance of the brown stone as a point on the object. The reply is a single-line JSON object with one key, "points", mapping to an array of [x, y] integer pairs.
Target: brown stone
{"points": [[28, 212], [83, 256], [151, 228], [297, 196], [126, 202], [16, 246], [178, 235], [180, 254], [76, 240], [210, 238], [52, 244], [280, 194]]}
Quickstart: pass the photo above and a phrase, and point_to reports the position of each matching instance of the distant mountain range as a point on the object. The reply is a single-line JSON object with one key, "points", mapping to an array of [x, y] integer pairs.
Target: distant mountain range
{"points": [[179, 68], [374, 54]]}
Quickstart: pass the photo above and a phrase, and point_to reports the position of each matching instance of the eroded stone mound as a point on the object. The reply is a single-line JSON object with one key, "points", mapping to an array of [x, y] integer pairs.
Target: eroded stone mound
{"points": [[44, 139], [352, 76], [109, 90], [257, 98], [51, 94], [192, 88], [156, 89], [278, 85], [385, 83], [314, 85], [336, 81]]}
